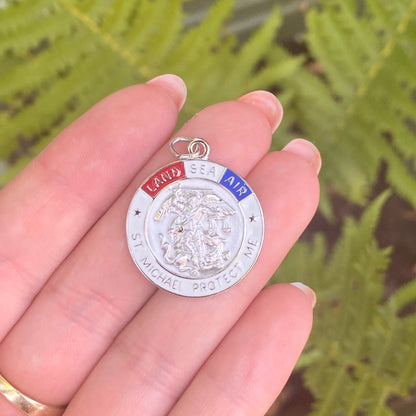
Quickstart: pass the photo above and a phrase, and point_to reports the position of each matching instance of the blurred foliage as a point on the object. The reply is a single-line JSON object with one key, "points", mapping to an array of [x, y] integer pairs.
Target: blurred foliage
{"points": [[362, 348], [58, 57], [359, 100], [352, 92]]}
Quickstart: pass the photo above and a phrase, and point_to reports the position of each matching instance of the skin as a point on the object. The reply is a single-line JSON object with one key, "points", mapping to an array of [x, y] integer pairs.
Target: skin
{"points": [[81, 326]]}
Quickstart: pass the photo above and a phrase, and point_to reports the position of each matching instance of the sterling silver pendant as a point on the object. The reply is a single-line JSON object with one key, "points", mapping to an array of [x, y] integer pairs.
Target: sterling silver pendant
{"points": [[194, 228]]}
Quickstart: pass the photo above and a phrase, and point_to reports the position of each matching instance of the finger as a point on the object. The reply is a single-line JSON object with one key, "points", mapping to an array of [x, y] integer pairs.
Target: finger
{"points": [[46, 210], [98, 289], [252, 364], [157, 355]]}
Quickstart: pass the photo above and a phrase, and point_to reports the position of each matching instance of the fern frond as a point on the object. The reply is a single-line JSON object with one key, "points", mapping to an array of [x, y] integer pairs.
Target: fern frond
{"points": [[162, 43], [87, 22], [48, 76], [145, 20], [41, 69], [33, 34], [360, 347], [254, 49], [15, 17], [362, 110], [200, 41], [403, 296]]}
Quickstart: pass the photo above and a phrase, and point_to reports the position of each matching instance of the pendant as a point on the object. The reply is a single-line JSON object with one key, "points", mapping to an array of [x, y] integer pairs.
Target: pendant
{"points": [[194, 227]]}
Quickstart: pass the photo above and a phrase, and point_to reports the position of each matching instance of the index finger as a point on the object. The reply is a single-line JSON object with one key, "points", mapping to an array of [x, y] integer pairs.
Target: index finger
{"points": [[47, 209]]}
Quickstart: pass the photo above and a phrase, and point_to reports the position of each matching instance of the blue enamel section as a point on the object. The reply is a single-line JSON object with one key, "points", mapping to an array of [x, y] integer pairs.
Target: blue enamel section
{"points": [[235, 185]]}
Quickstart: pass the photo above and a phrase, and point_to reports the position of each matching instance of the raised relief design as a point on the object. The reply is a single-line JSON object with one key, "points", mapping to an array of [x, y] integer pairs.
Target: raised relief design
{"points": [[198, 226]]}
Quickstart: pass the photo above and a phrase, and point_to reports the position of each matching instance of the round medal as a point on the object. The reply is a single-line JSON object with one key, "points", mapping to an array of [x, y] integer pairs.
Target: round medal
{"points": [[194, 228]]}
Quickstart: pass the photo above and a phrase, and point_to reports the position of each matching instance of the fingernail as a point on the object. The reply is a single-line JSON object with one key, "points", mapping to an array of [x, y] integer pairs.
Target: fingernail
{"points": [[267, 103], [307, 291], [173, 85], [307, 151]]}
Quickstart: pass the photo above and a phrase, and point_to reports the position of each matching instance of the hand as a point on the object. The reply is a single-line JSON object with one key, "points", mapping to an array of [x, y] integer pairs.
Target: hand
{"points": [[80, 324]]}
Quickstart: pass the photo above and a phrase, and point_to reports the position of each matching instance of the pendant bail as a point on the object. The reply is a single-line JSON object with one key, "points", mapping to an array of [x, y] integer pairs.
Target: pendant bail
{"points": [[198, 148]]}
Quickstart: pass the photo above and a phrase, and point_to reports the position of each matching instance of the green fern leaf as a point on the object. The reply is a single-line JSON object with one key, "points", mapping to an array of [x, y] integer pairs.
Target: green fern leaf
{"points": [[77, 51], [360, 108], [15, 16], [360, 350], [254, 49]]}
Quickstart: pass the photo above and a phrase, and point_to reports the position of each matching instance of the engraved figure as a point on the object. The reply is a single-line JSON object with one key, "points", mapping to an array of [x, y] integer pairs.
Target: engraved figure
{"points": [[198, 224]]}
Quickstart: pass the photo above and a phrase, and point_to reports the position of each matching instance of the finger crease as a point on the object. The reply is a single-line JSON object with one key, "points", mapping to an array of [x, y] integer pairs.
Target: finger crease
{"points": [[151, 366], [88, 308]]}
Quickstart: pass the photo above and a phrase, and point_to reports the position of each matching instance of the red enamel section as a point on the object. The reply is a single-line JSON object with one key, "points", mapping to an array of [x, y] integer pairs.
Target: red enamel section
{"points": [[164, 177]]}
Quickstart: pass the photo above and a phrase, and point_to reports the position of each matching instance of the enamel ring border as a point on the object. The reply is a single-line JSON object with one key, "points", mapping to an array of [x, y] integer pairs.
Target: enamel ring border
{"points": [[218, 176]]}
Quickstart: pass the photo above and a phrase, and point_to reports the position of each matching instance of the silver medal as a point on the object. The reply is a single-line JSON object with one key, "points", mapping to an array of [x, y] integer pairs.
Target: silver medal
{"points": [[194, 228]]}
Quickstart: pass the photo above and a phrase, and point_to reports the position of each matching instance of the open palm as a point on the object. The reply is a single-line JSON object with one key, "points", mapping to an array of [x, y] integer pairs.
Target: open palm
{"points": [[81, 326]]}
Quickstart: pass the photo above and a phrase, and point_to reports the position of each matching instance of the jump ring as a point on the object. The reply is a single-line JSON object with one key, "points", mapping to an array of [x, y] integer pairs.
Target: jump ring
{"points": [[175, 141], [195, 145]]}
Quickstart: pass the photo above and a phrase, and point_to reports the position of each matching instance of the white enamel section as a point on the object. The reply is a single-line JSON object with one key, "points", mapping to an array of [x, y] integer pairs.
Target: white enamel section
{"points": [[135, 224], [203, 169]]}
